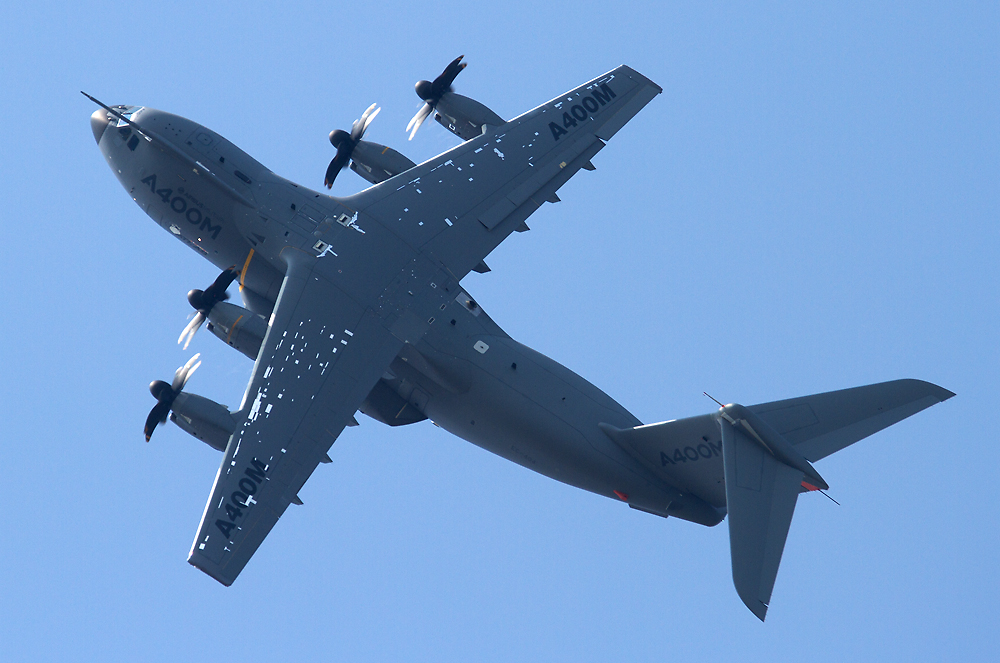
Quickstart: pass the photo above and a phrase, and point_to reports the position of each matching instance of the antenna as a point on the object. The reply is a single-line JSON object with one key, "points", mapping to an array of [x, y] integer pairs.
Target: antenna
{"points": [[828, 497], [707, 394]]}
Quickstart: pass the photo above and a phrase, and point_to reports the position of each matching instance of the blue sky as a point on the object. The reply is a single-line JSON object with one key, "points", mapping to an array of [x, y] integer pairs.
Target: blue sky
{"points": [[811, 204]]}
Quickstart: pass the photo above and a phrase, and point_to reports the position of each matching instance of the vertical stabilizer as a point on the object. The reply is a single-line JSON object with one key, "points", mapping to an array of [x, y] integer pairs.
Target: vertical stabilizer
{"points": [[767, 452], [760, 494]]}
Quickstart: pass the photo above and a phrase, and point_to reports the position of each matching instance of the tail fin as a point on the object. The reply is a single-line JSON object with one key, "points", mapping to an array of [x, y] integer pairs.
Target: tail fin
{"points": [[761, 491], [766, 451], [765, 470]]}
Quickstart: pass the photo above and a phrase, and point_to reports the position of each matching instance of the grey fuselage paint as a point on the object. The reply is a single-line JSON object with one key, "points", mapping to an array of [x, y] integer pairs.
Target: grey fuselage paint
{"points": [[507, 398]]}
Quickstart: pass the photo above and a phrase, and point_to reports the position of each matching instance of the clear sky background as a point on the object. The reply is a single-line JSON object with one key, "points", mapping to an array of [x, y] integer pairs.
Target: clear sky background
{"points": [[811, 204]]}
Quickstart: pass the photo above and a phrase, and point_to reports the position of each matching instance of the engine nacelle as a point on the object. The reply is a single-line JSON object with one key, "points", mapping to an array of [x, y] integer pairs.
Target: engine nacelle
{"points": [[377, 163], [205, 419], [465, 117], [258, 304], [238, 327]]}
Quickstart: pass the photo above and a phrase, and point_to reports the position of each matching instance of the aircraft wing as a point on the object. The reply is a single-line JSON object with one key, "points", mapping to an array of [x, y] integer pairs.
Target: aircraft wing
{"points": [[460, 205], [322, 355]]}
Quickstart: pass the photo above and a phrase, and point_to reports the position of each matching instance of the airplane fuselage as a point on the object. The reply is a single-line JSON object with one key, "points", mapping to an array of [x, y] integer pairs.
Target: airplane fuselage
{"points": [[465, 373], [356, 304]]}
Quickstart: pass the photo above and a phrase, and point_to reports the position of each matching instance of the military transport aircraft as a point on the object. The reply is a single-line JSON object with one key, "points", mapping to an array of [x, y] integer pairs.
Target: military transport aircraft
{"points": [[356, 304]]}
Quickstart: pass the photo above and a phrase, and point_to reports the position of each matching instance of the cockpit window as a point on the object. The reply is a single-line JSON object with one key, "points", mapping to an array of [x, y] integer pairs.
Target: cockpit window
{"points": [[127, 112]]}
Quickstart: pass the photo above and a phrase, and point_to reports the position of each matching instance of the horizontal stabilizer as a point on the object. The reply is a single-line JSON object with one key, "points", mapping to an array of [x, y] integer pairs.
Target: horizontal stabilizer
{"points": [[822, 424]]}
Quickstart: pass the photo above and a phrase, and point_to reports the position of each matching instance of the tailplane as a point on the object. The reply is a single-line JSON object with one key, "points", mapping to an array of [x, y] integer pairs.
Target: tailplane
{"points": [[766, 452], [753, 462]]}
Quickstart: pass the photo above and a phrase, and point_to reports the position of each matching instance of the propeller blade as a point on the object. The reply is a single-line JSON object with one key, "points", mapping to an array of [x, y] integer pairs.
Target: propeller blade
{"points": [[443, 82], [217, 291], [368, 118], [187, 376], [360, 125], [337, 165], [413, 119], [331, 174], [191, 329], [418, 119], [157, 415], [183, 373]]}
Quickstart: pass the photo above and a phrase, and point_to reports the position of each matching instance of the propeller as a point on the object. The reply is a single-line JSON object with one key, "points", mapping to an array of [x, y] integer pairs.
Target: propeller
{"points": [[166, 393], [204, 300], [346, 142], [431, 93]]}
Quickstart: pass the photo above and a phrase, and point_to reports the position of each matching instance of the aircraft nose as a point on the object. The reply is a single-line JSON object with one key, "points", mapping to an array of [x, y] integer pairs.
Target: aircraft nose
{"points": [[98, 123]]}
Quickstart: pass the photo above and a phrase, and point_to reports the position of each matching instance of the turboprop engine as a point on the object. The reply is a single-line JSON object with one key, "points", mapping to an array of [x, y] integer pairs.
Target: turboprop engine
{"points": [[464, 117], [210, 422], [237, 327], [376, 163], [205, 419], [240, 328]]}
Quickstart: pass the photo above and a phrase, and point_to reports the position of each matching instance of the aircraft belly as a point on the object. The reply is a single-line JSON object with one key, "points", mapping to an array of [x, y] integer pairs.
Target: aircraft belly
{"points": [[506, 423], [528, 409]]}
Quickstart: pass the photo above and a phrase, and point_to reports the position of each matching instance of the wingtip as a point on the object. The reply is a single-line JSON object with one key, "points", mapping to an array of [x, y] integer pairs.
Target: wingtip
{"points": [[922, 388], [218, 577], [754, 604], [757, 607], [940, 392], [639, 76]]}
